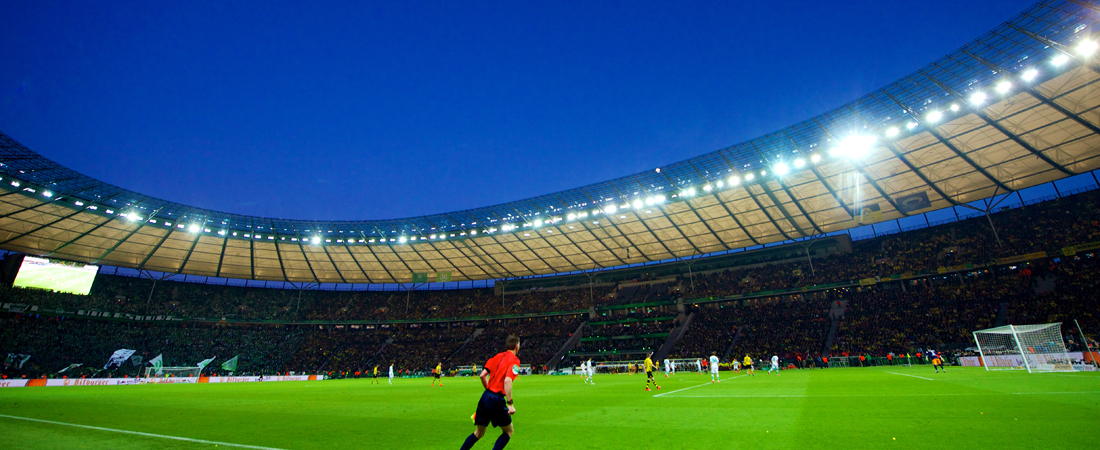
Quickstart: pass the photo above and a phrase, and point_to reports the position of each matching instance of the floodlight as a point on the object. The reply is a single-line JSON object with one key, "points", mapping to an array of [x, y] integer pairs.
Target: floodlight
{"points": [[47, 194], [402, 239], [749, 177], [610, 209], [734, 180], [316, 240], [659, 199], [1059, 60], [978, 98], [1029, 74], [691, 191], [571, 217], [1004, 86], [855, 146], [815, 157], [781, 169], [934, 116], [911, 125], [954, 107], [719, 183], [637, 204], [892, 131], [473, 232], [707, 188], [798, 163], [193, 228], [1085, 48], [538, 223]]}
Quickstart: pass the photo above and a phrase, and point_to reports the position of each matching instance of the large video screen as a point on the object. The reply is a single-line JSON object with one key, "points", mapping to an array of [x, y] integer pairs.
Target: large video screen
{"points": [[55, 275]]}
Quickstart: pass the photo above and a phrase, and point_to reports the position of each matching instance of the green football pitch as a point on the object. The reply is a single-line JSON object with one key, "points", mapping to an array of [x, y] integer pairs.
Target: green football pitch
{"points": [[897, 407], [55, 278]]}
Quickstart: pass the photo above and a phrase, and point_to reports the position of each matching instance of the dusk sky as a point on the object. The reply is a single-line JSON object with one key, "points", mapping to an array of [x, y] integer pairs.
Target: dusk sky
{"points": [[366, 110]]}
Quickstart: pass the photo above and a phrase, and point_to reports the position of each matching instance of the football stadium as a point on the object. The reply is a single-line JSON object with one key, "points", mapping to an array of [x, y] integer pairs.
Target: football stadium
{"points": [[807, 288]]}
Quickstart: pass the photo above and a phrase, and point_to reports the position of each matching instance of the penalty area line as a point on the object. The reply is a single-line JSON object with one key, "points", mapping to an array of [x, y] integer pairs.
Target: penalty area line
{"points": [[693, 387], [139, 433], [914, 376]]}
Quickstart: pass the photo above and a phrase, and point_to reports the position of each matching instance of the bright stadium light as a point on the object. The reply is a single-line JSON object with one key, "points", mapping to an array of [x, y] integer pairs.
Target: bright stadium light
{"points": [[1086, 48], [1029, 74], [781, 169], [316, 240], [707, 188], [954, 107], [735, 180], [610, 209], [193, 228], [402, 239], [934, 116], [855, 146], [719, 183], [892, 131], [749, 177], [691, 192], [47, 194], [659, 199], [763, 173], [815, 158], [1059, 60], [911, 125], [571, 217], [798, 163], [1003, 87], [538, 223], [978, 98], [637, 204]]}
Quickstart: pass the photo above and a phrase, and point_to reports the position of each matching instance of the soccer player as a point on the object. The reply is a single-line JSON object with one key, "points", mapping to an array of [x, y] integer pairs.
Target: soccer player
{"points": [[438, 372], [736, 366], [714, 368], [748, 366], [374, 376], [775, 365], [698, 365], [391, 373], [495, 405], [937, 363], [649, 368], [667, 367], [589, 370]]}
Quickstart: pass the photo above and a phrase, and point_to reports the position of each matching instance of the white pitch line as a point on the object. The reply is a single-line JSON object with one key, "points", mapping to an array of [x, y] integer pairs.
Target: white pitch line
{"points": [[975, 394], [693, 387], [914, 376], [161, 436]]}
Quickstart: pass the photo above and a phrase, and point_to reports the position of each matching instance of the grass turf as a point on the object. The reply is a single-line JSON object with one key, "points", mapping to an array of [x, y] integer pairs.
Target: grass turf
{"points": [[851, 408]]}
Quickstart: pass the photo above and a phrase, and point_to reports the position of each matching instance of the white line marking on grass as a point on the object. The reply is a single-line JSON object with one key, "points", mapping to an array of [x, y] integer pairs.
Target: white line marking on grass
{"points": [[693, 387], [161, 436], [914, 376], [887, 395]]}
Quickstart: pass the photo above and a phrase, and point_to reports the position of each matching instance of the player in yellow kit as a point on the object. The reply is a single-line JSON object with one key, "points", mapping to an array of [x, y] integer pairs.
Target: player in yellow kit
{"points": [[649, 368], [438, 372], [748, 365]]}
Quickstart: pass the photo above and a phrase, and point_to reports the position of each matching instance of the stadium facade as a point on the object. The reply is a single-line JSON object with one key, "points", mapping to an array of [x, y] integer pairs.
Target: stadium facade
{"points": [[1015, 108]]}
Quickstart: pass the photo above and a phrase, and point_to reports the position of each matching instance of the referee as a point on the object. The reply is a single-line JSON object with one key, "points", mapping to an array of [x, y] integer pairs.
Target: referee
{"points": [[495, 405]]}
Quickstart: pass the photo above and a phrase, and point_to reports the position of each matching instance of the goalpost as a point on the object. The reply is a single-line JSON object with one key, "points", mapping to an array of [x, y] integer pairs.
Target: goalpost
{"points": [[1037, 348], [151, 372]]}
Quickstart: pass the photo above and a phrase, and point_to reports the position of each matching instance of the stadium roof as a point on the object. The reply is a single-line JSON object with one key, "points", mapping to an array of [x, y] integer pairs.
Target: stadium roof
{"points": [[1013, 109]]}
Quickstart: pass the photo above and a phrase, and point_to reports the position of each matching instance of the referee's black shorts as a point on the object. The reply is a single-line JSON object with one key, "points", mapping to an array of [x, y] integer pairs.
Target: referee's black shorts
{"points": [[492, 408]]}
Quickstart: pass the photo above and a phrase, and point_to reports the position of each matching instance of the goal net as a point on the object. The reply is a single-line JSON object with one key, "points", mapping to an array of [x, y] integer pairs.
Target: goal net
{"points": [[151, 372], [1036, 348]]}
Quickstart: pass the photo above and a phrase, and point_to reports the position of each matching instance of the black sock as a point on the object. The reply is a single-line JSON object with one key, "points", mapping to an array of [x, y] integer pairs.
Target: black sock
{"points": [[501, 441], [470, 441]]}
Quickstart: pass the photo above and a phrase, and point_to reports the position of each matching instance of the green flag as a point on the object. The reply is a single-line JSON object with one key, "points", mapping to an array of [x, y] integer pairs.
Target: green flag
{"points": [[157, 363], [204, 363], [420, 278], [230, 365], [443, 277]]}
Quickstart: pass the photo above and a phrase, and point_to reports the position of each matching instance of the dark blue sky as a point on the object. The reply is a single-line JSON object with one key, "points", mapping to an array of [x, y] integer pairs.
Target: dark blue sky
{"points": [[370, 111]]}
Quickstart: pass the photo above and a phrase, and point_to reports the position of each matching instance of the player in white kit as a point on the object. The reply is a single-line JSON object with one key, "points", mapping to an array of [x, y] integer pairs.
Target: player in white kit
{"points": [[391, 373], [591, 371], [775, 365], [714, 368], [698, 365], [668, 367], [586, 366]]}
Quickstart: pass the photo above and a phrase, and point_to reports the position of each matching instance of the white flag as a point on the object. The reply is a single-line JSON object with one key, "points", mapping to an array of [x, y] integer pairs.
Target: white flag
{"points": [[120, 356], [204, 363], [157, 364]]}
